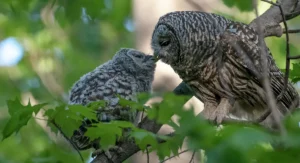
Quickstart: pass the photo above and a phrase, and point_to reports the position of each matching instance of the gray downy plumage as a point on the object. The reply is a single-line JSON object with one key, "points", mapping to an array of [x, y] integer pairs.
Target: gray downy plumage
{"points": [[128, 73]]}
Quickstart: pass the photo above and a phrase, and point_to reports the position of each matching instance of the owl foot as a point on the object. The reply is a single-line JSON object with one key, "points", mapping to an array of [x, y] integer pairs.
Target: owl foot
{"points": [[114, 149], [218, 116], [221, 111]]}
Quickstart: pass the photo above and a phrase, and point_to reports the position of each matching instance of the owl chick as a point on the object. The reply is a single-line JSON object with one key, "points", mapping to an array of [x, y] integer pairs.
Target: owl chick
{"points": [[221, 61], [128, 73]]}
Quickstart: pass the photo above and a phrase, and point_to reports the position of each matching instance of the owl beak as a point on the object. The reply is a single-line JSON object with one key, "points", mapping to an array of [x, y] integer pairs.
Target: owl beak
{"points": [[156, 56]]}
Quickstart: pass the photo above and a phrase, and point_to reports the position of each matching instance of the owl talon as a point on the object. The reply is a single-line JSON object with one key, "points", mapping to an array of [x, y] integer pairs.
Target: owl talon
{"points": [[217, 114]]}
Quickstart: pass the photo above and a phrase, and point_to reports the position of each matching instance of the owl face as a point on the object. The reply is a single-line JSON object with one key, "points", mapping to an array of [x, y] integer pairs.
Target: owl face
{"points": [[165, 44], [135, 61], [141, 60]]}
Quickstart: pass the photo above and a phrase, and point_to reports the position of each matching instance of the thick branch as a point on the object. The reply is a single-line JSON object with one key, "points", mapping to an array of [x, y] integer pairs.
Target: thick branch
{"points": [[272, 17]]}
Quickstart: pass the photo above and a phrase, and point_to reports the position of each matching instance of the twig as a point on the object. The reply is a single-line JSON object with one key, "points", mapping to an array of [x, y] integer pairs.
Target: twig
{"points": [[65, 136], [148, 158], [291, 30], [192, 157], [287, 66], [292, 15], [266, 81], [272, 3], [264, 116], [174, 156], [295, 57]]}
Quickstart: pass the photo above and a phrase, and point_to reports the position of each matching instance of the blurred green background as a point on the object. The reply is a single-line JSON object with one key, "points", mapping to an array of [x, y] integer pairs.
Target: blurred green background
{"points": [[45, 46]]}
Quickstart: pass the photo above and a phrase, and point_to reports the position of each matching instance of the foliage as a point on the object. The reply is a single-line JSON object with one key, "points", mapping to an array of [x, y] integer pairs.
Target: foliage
{"points": [[295, 73], [232, 143], [61, 41], [245, 5]]}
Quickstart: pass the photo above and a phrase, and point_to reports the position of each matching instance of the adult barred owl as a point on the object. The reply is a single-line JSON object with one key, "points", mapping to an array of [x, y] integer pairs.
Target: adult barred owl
{"points": [[128, 73], [221, 61]]}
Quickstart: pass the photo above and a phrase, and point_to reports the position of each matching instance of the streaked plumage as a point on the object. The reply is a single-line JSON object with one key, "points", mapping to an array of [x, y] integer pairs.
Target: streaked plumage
{"points": [[128, 73], [221, 61]]}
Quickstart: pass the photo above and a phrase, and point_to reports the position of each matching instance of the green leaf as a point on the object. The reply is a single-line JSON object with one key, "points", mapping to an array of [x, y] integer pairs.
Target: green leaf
{"points": [[143, 98], [144, 138], [125, 103], [171, 105], [122, 124], [107, 132], [132, 104], [292, 122], [295, 72], [163, 150], [97, 104], [13, 106], [242, 5], [68, 118], [82, 110], [20, 115]]}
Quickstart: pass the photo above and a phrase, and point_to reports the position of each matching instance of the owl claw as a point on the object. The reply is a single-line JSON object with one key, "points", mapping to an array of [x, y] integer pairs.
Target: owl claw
{"points": [[217, 114]]}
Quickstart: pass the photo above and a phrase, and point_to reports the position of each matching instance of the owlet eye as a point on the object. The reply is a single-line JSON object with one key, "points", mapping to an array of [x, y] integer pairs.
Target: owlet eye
{"points": [[138, 56], [164, 42]]}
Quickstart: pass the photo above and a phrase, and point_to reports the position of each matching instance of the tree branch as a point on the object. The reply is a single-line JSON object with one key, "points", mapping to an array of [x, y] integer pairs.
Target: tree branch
{"points": [[272, 17]]}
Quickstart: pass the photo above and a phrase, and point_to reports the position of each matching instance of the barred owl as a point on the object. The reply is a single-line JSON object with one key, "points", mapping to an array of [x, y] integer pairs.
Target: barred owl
{"points": [[221, 61], [128, 73]]}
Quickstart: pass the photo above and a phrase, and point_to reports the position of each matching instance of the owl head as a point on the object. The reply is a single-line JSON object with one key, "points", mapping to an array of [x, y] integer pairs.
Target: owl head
{"points": [[182, 37], [134, 61], [165, 44]]}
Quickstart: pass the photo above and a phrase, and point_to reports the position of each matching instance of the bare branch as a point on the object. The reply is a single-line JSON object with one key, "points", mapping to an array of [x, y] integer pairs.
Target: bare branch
{"points": [[295, 57], [291, 30], [272, 18], [192, 157], [148, 159], [265, 77], [292, 15], [174, 156], [287, 67], [66, 137]]}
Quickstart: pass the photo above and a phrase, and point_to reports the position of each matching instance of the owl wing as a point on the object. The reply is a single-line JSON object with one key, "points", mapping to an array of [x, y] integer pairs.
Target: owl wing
{"points": [[240, 43]]}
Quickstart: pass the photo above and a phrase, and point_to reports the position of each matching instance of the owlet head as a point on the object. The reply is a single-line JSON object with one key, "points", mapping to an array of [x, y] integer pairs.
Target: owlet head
{"points": [[165, 44], [135, 62]]}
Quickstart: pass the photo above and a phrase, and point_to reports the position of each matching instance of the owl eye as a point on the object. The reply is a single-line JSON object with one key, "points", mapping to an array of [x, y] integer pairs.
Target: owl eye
{"points": [[138, 56], [164, 42]]}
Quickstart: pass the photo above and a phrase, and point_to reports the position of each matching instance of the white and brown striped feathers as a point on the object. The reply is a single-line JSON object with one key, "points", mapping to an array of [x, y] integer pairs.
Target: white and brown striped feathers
{"points": [[221, 61]]}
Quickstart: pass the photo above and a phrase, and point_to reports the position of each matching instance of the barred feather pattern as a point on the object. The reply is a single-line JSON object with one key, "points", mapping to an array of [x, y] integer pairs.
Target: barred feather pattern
{"points": [[219, 59], [128, 73]]}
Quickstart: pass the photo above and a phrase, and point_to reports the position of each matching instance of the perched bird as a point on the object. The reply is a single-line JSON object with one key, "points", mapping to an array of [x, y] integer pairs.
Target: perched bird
{"points": [[128, 73], [222, 61]]}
